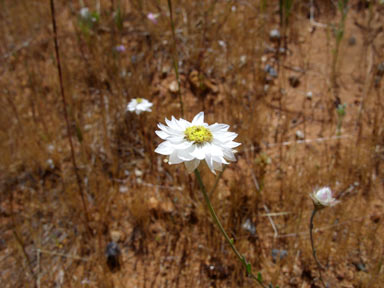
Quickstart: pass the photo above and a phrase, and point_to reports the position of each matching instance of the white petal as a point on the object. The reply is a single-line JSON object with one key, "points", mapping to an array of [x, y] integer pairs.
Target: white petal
{"points": [[168, 129], [186, 154], [176, 139], [163, 127], [165, 148], [174, 159], [218, 127], [228, 154], [161, 134], [198, 119], [215, 150], [184, 124], [232, 144], [209, 161], [192, 165], [183, 145], [217, 166], [172, 124], [199, 152], [224, 136], [178, 124], [219, 160], [131, 107]]}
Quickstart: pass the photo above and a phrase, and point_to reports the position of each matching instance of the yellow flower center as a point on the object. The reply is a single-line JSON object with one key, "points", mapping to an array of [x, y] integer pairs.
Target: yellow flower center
{"points": [[139, 100], [198, 134]]}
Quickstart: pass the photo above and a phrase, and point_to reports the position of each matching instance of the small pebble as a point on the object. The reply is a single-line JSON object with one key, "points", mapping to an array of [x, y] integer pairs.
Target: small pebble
{"points": [[112, 252], [294, 81], [173, 87], [249, 226], [278, 253], [299, 135], [270, 70], [352, 41]]}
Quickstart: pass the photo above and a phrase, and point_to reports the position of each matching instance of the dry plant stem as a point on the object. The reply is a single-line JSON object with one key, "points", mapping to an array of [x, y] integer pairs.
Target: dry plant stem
{"points": [[81, 192], [20, 242], [175, 58], [22, 247], [319, 266], [222, 230]]}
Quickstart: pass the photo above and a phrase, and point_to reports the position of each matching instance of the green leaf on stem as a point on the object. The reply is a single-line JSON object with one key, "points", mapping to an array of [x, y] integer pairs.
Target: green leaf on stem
{"points": [[249, 269], [259, 277]]}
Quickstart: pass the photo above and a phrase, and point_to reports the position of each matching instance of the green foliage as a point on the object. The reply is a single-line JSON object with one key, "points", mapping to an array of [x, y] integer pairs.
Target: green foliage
{"points": [[285, 10], [118, 19], [79, 134], [259, 277], [341, 110], [249, 269]]}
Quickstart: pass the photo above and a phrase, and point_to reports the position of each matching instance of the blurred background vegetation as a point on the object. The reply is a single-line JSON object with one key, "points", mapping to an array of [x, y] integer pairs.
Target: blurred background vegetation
{"points": [[299, 81]]}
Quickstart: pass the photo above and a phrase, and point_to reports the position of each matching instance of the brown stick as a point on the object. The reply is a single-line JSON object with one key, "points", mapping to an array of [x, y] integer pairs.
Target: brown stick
{"points": [[73, 157]]}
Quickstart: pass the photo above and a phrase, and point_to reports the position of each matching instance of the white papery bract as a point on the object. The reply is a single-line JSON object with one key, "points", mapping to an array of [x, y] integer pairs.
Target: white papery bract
{"points": [[323, 198], [191, 142], [139, 105]]}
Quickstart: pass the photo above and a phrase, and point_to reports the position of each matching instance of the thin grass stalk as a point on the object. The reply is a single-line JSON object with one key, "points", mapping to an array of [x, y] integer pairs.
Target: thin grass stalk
{"points": [[175, 58], [343, 9], [60, 74], [20, 241]]}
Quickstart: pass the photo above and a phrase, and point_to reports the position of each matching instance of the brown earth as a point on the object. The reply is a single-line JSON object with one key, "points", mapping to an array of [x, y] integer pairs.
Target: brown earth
{"points": [[154, 212]]}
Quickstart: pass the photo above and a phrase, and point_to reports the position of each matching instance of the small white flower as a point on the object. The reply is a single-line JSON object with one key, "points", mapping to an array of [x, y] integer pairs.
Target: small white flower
{"points": [[50, 163], [323, 198], [139, 105], [222, 43], [84, 12], [192, 142]]}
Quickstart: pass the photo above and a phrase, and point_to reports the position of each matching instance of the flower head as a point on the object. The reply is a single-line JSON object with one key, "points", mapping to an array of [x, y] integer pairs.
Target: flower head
{"points": [[323, 198], [139, 105], [84, 13], [191, 142], [87, 16], [120, 48], [153, 17]]}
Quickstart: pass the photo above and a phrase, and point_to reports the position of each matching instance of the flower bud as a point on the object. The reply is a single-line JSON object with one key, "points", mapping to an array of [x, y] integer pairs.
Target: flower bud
{"points": [[323, 198]]}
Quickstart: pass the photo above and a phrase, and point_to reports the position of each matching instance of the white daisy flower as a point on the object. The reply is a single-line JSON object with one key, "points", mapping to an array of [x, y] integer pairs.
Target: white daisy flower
{"points": [[323, 198], [139, 105], [192, 142]]}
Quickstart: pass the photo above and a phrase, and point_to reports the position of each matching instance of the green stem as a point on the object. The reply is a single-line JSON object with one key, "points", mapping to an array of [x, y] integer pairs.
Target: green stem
{"points": [[222, 230], [339, 124], [175, 58], [319, 266]]}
